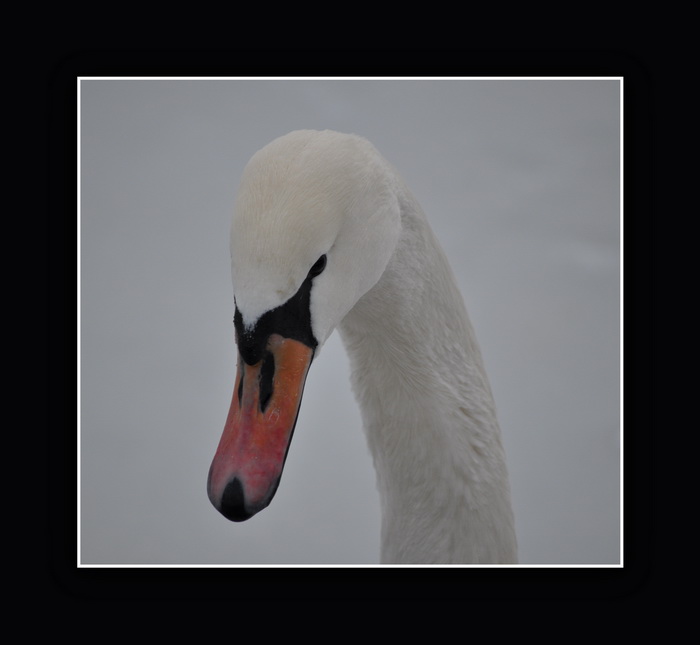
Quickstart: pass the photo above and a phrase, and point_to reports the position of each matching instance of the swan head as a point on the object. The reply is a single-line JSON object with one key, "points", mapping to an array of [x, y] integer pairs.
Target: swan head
{"points": [[315, 222]]}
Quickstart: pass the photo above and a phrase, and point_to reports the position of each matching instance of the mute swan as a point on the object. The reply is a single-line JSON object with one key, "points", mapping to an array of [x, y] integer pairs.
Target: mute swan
{"points": [[325, 234]]}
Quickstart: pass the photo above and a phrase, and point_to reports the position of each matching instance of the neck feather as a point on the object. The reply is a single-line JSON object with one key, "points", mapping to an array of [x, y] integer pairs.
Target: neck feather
{"points": [[428, 411]]}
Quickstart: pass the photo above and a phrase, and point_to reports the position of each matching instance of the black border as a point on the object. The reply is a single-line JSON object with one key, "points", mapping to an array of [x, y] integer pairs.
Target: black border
{"points": [[66, 581]]}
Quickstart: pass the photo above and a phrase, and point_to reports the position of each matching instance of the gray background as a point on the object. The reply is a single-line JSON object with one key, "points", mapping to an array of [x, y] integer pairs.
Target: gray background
{"points": [[521, 182]]}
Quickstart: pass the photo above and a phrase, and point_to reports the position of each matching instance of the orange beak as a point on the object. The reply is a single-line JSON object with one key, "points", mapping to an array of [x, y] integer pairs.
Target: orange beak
{"points": [[248, 463]]}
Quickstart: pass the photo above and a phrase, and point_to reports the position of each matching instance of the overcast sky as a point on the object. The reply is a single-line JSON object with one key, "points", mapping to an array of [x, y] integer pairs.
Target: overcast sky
{"points": [[520, 179]]}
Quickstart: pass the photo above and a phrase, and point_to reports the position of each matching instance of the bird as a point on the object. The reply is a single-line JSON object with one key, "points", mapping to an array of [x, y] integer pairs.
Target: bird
{"points": [[326, 235]]}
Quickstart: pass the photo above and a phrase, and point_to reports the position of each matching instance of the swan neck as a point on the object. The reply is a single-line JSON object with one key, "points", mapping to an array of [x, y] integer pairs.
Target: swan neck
{"points": [[427, 410]]}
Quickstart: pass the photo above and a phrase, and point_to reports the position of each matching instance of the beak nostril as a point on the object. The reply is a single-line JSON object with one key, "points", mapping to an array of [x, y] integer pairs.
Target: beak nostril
{"points": [[240, 384], [267, 372]]}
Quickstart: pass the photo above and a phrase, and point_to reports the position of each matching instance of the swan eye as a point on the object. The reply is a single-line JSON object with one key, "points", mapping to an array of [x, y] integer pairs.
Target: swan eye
{"points": [[318, 267]]}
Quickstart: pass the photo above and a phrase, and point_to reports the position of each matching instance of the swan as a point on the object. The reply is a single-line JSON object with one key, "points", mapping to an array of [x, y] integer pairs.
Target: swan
{"points": [[325, 235]]}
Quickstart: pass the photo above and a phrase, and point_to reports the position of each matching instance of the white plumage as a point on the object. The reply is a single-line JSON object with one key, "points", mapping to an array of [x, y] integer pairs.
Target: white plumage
{"points": [[417, 373]]}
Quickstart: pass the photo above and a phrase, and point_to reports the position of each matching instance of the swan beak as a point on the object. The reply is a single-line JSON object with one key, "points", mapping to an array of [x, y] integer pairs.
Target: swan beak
{"points": [[248, 463]]}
